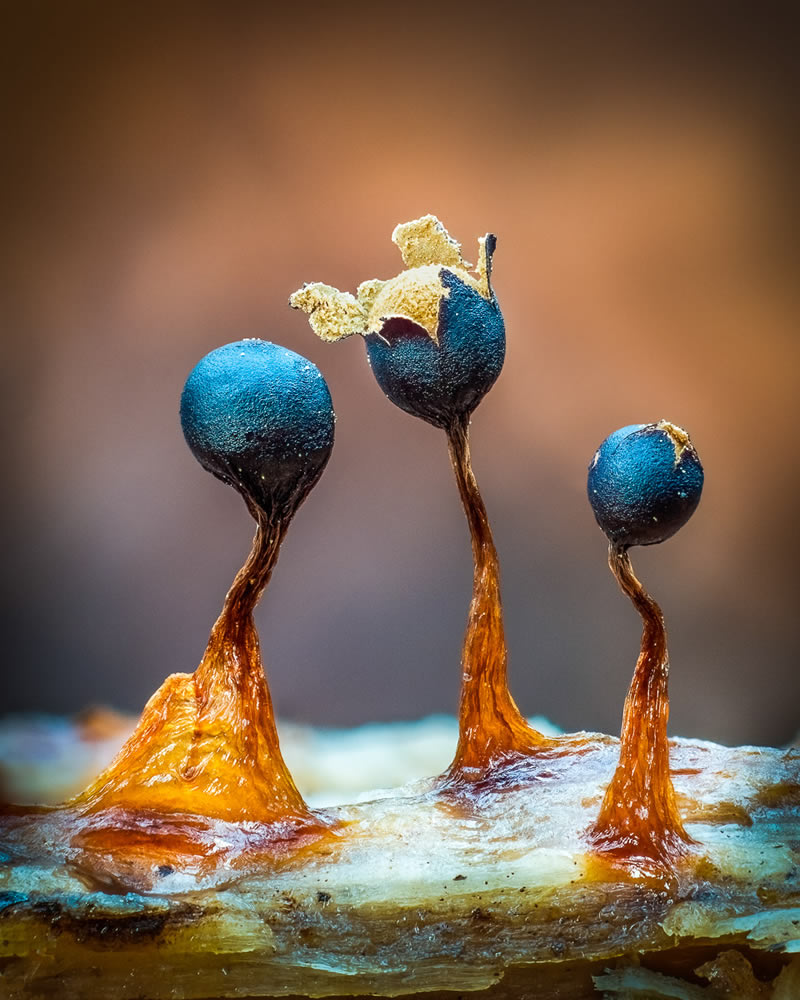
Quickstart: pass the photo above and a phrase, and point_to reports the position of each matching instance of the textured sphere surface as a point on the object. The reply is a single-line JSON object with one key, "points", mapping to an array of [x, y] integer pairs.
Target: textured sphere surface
{"points": [[644, 484], [439, 382], [259, 417]]}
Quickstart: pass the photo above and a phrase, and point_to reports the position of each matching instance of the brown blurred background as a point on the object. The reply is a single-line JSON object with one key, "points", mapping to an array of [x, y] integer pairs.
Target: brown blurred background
{"points": [[171, 173]]}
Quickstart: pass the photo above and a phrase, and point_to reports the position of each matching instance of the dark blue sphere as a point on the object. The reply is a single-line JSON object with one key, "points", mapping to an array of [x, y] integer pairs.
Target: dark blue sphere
{"points": [[260, 418], [644, 484], [441, 382]]}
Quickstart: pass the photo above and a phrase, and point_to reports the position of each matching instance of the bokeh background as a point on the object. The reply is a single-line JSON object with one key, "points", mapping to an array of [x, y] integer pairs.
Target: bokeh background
{"points": [[172, 173]]}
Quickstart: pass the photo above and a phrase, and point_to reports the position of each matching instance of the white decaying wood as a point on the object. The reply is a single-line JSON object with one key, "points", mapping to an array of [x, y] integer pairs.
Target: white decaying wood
{"points": [[422, 892]]}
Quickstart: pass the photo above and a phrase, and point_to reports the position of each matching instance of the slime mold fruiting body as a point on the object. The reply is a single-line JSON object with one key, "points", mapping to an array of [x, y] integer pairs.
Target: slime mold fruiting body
{"points": [[644, 483], [260, 418], [435, 341], [192, 867]]}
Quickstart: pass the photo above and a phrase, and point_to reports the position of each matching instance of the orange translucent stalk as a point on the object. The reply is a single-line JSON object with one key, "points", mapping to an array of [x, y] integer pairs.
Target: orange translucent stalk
{"points": [[206, 743], [491, 727], [639, 816]]}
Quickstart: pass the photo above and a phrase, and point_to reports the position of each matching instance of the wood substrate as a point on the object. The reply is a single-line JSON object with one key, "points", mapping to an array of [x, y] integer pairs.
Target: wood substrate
{"points": [[488, 893]]}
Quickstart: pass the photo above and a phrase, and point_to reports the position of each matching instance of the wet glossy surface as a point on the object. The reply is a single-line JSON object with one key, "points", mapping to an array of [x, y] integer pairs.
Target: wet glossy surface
{"points": [[639, 824], [417, 889], [492, 730], [204, 753]]}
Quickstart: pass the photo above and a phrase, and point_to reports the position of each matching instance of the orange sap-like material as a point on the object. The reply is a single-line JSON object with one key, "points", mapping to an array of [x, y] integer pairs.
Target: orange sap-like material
{"points": [[206, 746], [192, 866], [639, 815]]}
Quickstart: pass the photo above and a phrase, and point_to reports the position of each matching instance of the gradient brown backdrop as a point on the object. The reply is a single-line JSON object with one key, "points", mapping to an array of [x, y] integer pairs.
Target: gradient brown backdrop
{"points": [[171, 173]]}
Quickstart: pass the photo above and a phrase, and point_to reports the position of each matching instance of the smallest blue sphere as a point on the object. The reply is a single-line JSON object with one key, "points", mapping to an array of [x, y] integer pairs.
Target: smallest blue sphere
{"points": [[644, 483], [260, 418]]}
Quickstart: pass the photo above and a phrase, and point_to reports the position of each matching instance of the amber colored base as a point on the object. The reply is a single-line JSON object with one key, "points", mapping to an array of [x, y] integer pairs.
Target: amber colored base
{"points": [[201, 781], [205, 751], [123, 850], [639, 823], [491, 727]]}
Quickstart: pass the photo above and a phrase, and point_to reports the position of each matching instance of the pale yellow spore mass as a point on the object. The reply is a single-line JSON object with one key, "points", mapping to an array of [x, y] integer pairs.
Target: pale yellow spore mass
{"points": [[332, 314], [678, 436], [415, 294], [426, 241]]}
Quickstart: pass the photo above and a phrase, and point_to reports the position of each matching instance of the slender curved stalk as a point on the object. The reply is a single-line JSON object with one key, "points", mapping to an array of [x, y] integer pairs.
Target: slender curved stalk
{"points": [[207, 743], [230, 684], [639, 815], [491, 727]]}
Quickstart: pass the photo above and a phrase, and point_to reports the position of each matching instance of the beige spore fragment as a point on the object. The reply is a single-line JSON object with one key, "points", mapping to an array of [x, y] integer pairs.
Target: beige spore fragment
{"points": [[333, 315], [415, 294], [426, 241], [678, 436]]}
